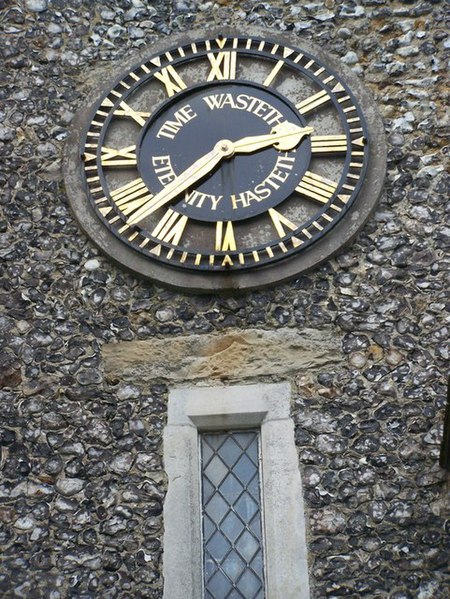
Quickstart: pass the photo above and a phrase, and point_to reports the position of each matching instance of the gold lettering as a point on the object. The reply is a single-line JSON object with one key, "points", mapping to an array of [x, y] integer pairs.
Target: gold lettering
{"points": [[276, 175], [197, 199], [215, 201], [163, 169], [171, 127], [244, 198]]}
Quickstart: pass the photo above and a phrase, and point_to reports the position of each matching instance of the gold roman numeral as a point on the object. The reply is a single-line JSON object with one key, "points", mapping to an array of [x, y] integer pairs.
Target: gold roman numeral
{"points": [[280, 221], [273, 73], [122, 157], [131, 196], [328, 144], [313, 102], [171, 80], [127, 111], [170, 228], [332, 144], [316, 188], [223, 65], [279, 65], [225, 240]]}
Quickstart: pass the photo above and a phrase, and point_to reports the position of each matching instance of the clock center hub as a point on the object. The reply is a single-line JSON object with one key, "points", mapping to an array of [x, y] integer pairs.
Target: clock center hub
{"points": [[226, 148]]}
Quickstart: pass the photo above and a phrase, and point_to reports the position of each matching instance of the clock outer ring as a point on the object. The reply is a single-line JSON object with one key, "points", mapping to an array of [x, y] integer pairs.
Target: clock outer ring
{"points": [[342, 233]]}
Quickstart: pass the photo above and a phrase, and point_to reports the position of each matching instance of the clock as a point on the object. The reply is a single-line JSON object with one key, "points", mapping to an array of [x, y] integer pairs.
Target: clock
{"points": [[225, 162]]}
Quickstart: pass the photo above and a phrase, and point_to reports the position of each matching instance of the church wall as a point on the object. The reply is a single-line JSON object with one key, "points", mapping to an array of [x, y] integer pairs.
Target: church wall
{"points": [[88, 352]]}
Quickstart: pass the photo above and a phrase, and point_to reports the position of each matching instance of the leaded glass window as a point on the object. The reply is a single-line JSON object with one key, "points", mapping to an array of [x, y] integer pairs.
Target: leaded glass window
{"points": [[233, 565]]}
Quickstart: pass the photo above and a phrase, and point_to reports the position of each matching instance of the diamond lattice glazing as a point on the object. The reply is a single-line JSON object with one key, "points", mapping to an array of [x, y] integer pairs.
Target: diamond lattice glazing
{"points": [[231, 515]]}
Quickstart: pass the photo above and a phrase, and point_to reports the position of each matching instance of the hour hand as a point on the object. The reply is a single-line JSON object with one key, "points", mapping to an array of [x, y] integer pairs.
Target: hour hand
{"points": [[285, 136]]}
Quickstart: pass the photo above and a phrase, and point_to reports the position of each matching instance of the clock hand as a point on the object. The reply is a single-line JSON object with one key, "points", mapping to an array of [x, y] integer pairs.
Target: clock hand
{"points": [[187, 178], [283, 137]]}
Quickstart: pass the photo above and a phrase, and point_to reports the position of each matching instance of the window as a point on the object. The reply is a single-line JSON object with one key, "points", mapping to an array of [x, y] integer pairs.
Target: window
{"points": [[232, 541], [201, 421]]}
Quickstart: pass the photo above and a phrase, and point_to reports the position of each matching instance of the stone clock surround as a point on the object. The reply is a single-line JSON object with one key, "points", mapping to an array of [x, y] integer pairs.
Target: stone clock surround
{"points": [[342, 233]]}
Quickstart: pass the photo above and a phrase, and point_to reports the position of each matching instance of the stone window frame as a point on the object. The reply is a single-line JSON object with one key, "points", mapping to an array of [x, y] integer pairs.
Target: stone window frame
{"points": [[264, 406]]}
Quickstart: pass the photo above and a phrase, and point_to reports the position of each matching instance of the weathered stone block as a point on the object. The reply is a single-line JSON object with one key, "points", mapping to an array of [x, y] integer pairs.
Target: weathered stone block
{"points": [[235, 355]]}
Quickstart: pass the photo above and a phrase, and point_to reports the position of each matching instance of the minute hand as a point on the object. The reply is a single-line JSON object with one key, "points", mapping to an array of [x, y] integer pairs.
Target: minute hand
{"points": [[285, 136]]}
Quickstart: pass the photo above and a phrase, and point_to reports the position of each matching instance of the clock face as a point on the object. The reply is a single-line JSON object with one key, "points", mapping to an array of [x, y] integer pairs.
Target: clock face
{"points": [[226, 155]]}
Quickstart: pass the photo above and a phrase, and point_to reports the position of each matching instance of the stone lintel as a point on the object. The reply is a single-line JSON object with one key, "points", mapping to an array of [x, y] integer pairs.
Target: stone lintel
{"points": [[231, 356]]}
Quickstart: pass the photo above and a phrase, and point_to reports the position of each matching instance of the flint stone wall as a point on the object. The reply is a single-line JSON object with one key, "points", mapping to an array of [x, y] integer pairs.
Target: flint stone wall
{"points": [[83, 482]]}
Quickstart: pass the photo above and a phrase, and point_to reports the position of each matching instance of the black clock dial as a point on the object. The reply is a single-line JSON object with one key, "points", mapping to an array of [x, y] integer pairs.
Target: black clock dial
{"points": [[225, 154], [241, 186]]}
